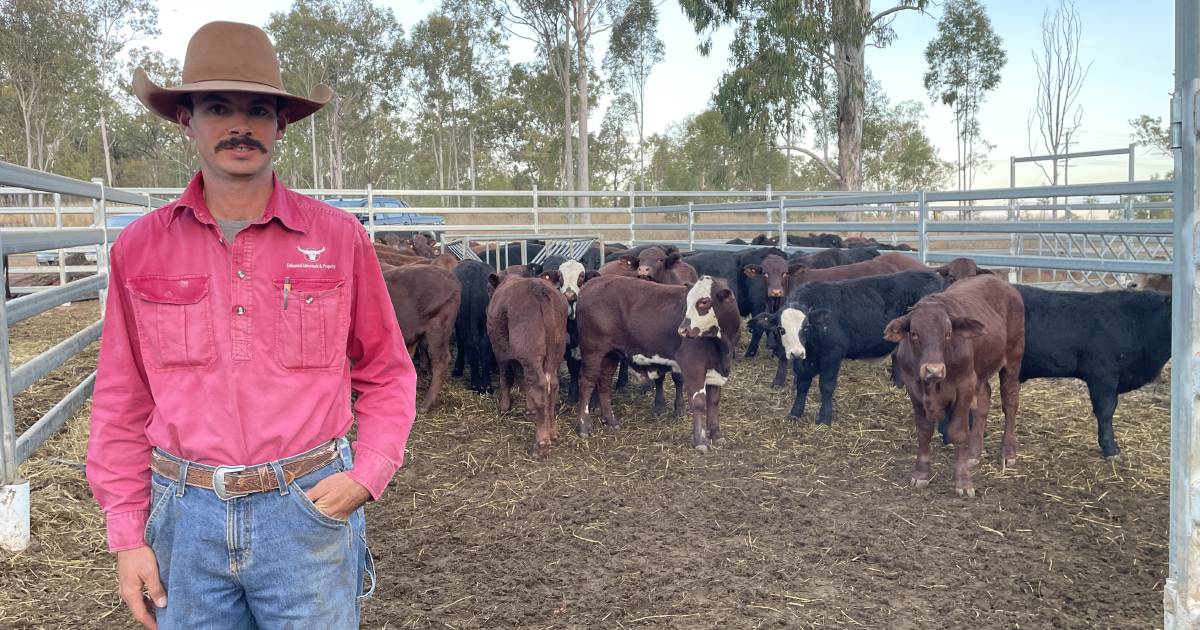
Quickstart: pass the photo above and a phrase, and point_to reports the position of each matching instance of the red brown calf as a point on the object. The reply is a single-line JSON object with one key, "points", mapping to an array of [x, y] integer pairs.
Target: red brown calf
{"points": [[799, 274], [426, 300], [951, 343], [527, 324], [664, 266], [648, 323]]}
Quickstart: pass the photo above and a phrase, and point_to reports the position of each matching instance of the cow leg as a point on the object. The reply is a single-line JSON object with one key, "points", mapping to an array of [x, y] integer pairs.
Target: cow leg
{"points": [[660, 401], [677, 378], [607, 367], [829, 378], [921, 469], [533, 383], [1010, 395], [623, 374], [506, 382], [460, 357], [961, 436], [755, 336], [573, 365], [713, 396], [977, 420], [589, 377], [780, 373], [1103, 393], [437, 344], [804, 377], [693, 381]]}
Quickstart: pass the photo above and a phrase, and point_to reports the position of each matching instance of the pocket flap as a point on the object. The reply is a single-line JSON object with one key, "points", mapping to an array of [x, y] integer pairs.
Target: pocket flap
{"points": [[169, 289], [310, 285]]}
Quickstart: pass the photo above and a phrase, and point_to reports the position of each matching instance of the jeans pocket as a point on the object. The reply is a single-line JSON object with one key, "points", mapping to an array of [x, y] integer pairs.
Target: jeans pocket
{"points": [[313, 319], [311, 509], [160, 496], [368, 571]]}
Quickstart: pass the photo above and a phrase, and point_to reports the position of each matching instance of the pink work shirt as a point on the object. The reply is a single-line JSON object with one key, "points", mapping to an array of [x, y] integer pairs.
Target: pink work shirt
{"points": [[243, 353]]}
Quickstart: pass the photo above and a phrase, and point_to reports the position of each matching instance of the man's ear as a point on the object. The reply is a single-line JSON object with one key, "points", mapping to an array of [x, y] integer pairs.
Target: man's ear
{"points": [[282, 118], [897, 329], [183, 116]]}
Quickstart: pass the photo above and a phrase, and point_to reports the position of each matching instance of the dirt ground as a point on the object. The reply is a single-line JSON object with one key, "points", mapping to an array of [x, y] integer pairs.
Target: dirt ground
{"points": [[788, 525]]}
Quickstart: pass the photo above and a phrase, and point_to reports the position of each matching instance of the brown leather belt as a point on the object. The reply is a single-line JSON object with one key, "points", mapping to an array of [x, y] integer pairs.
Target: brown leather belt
{"points": [[234, 481]]}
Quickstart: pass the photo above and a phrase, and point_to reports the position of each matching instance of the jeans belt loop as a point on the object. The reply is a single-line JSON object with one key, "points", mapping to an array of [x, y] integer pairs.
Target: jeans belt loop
{"points": [[181, 482], [280, 478]]}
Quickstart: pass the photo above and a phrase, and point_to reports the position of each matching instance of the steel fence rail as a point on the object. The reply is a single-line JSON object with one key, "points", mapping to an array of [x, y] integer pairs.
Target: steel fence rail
{"points": [[47, 425]]}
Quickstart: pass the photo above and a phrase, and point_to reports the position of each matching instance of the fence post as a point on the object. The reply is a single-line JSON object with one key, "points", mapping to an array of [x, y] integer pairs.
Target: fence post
{"points": [[632, 235], [1013, 240], [769, 196], [783, 242], [894, 239], [371, 212], [691, 227], [1180, 607], [922, 227], [14, 492], [62, 254], [100, 208], [537, 225]]}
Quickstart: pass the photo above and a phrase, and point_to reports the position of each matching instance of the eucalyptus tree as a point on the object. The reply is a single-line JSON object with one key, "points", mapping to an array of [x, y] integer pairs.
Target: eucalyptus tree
{"points": [[633, 50], [965, 60], [815, 37]]}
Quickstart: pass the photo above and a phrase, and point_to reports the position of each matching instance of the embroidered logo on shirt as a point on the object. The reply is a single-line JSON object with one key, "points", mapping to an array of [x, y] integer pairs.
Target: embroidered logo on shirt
{"points": [[311, 254]]}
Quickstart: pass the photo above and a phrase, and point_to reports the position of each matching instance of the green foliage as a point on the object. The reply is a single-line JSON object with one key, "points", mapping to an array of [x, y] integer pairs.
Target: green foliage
{"points": [[964, 60], [1151, 132]]}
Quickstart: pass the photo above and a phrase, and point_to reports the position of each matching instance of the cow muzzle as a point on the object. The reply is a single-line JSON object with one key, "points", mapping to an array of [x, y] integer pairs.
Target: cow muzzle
{"points": [[643, 272], [570, 295], [775, 293], [933, 372]]}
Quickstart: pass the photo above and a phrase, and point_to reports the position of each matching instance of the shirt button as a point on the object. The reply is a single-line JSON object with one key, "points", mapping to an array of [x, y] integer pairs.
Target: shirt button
{"points": [[240, 310], [308, 300], [241, 274]]}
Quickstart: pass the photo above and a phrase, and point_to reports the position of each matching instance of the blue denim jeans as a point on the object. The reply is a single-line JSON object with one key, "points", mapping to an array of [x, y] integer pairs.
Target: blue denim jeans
{"points": [[265, 560]]}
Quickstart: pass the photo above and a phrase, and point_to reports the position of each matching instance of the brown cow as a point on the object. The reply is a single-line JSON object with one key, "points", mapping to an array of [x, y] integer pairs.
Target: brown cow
{"points": [[951, 344], [710, 326], [774, 269], [426, 300], [527, 324], [1151, 281], [664, 266], [625, 267], [799, 273], [646, 323], [960, 269], [425, 246]]}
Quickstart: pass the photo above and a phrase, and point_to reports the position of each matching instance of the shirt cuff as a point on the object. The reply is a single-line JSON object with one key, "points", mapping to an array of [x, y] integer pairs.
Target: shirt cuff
{"points": [[372, 469], [126, 530]]}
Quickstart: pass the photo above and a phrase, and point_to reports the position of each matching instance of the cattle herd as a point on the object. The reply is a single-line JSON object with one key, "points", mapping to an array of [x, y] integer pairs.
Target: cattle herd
{"points": [[659, 311]]}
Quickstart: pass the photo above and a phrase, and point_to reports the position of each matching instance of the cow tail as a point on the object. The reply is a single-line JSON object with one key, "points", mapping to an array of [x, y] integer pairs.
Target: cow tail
{"points": [[541, 295]]}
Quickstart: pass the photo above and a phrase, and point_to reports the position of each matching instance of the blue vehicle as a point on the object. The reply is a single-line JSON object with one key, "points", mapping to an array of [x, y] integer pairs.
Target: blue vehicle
{"points": [[386, 217]]}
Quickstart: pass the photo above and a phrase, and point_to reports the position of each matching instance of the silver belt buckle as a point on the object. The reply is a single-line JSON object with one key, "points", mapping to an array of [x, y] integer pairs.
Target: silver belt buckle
{"points": [[219, 482]]}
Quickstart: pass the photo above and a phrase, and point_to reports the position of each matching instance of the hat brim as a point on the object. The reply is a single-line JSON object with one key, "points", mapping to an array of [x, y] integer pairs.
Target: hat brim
{"points": [[163, 100]]}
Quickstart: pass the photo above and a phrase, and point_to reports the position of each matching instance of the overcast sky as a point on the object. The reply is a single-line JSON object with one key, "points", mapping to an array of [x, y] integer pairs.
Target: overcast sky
{"points": [[1130, 46]]}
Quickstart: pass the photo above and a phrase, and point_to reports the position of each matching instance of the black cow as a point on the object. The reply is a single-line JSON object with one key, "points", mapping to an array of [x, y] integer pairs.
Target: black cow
{"points": [[470, 327], [510, 254], [1114, 341], [823, 323], [834, 257]]}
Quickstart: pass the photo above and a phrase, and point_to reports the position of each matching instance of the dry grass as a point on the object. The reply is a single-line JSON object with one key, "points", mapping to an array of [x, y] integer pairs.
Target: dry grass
{"points": [[787, 525]]}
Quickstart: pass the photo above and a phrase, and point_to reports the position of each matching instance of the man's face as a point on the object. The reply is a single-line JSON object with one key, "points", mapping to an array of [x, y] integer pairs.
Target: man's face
{"points": [[234, 132]]}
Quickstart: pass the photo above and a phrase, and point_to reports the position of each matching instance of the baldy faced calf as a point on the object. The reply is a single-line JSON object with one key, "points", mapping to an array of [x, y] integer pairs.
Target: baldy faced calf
{"points": [[426, 300], [825, 323], [710, 327], [950, 344], [527, 324]]}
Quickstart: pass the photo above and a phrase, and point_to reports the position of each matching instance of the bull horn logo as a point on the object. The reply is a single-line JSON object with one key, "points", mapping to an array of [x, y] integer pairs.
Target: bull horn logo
{"points": [[311, 254]]}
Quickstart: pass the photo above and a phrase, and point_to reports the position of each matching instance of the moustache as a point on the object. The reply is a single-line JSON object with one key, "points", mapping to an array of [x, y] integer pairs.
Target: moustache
{"points": [[239, 141]]}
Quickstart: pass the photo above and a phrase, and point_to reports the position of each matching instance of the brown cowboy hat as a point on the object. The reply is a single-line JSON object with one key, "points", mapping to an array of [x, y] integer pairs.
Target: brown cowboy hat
{"points": [[228, 57]]}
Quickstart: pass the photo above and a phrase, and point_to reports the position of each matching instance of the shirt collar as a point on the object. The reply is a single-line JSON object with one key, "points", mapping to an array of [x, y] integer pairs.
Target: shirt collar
{"points": [[281, 206]]}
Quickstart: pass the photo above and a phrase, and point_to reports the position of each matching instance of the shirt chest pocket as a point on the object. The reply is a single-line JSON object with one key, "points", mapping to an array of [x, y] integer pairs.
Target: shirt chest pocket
{"points": [[174, 321], [311, 323]]}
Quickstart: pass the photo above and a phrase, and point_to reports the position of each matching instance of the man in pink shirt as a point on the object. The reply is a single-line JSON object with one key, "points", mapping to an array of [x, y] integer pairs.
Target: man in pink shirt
{"points": [[239, 319]]}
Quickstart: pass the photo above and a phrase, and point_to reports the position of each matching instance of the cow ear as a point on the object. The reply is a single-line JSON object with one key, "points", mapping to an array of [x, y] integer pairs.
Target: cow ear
{"points": [[820, 316], [967, 327], [943, 271], [763, 321], [553, 277], [981, 270], [493, 280], [752, 270], [672, 258], [534, 269], [724, 294], [897, 329], [629, 260], [588, 276], [796, 268]]}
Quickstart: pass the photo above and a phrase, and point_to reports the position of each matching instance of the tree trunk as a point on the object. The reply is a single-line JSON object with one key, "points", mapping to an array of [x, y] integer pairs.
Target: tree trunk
{"points": [[107, 153], [850, 16], [581, 111], [471, 156], [568, 179], [335, 123], [316, 165]]}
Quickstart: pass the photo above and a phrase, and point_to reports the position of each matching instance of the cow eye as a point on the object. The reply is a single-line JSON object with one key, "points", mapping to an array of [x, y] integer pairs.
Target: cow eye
{"points": [[781, 331]]}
